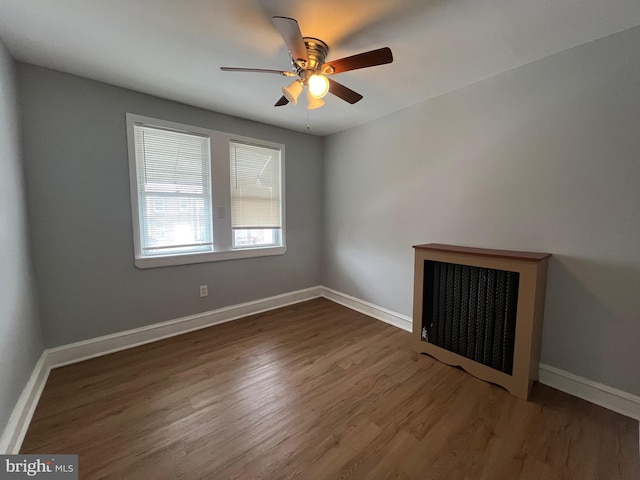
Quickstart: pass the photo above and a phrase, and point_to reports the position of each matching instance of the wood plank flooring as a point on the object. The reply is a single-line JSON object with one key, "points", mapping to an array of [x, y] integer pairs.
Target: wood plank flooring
{"points": [[315, 391]]}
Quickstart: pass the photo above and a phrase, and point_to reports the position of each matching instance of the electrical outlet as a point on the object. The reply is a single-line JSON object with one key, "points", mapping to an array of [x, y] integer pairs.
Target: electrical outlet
{"points": [[204, 290]]}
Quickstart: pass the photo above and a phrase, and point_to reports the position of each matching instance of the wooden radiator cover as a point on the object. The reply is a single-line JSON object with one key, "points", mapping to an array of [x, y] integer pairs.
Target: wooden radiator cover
{"points": [[510, 360]]}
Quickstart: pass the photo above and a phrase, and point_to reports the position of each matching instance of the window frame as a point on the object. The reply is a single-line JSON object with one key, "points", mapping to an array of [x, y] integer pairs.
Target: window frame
{"points": [[219, 145]]}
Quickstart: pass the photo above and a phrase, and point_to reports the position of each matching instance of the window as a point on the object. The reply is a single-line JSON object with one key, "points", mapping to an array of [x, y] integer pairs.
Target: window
{"points": [[255, 195], [199, 195], [174, 191]]}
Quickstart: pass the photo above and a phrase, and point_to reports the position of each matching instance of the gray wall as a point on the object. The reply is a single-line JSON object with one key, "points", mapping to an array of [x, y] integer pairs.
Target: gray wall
{"points": [[20, 339], [76, 167], [545, 157]]}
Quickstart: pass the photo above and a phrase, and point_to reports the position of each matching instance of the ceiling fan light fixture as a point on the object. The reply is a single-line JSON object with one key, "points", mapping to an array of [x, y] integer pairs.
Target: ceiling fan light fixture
{"points": [[293, 91], [318, 85], [313, 102], [308, 61]]}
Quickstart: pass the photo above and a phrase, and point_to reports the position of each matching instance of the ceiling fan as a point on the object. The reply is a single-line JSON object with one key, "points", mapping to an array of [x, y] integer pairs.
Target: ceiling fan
{"points": [[308, 64]]}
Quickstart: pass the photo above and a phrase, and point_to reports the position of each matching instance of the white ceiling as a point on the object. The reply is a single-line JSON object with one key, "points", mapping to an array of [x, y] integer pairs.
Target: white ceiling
{"points": [[174, 48]]}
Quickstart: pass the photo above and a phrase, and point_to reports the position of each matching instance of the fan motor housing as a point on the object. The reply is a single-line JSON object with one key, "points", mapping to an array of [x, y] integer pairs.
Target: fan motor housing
{"points": [[317, 51]]}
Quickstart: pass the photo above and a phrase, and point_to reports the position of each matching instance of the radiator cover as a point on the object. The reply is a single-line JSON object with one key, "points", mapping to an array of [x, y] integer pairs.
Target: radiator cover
{"points": [[481, 309]]}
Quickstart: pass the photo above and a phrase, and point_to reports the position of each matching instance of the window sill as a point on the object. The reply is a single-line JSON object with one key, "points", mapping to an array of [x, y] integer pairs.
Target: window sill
{"points": [[168, 261]]}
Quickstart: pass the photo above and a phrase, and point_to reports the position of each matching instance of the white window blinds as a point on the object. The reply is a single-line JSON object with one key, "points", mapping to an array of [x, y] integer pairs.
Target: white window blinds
{"points": [[174, 191], [255, 187]]}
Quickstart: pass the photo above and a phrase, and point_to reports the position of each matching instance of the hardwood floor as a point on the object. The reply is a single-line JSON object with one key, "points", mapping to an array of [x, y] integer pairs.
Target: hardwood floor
{"points": [[315, 391]]}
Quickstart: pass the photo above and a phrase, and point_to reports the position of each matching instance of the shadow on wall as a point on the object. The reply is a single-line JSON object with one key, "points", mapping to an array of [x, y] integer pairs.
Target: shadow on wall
{"points": [[592, 320]]}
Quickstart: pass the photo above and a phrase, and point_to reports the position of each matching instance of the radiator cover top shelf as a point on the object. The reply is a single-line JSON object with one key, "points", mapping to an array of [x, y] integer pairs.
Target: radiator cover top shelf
{"points": [[481, 309]]}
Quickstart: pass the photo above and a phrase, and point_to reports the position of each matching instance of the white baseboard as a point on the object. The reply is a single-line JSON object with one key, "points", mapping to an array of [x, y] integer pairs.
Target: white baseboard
{"points": [[362, 306], [16, 428], [608, 397], [96, 347]]}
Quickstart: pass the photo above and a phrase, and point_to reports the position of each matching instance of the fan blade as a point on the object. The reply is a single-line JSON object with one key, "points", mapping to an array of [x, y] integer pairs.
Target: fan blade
{"points": [[343, 92], [361, 60], [257, 70], [283, 101], [292, 37]]}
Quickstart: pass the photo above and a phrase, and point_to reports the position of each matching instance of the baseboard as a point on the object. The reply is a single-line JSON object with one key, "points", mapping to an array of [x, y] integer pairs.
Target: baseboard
{"points": [[608, 397], [16, 428], [96, 347], [370, 309], [11, 440]]}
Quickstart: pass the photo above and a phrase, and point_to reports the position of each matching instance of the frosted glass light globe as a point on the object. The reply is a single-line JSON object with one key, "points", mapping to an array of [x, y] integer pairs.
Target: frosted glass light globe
{"points": [[318, 86]]}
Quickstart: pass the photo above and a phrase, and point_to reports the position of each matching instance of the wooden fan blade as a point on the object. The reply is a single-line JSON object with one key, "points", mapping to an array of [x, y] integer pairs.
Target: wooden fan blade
{"points": [[343, 92], [283, 101], [361, 60], [257, 70], [292, 37]]}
